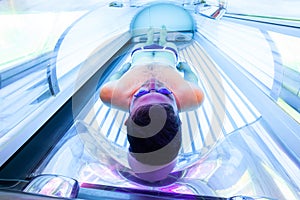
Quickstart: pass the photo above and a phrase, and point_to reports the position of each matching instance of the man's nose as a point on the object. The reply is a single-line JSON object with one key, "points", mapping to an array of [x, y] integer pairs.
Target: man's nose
{"points": [[152, 85]]}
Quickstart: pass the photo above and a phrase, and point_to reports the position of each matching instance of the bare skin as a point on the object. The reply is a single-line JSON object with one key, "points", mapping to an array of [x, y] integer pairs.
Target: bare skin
{"points": [[118, 93]]}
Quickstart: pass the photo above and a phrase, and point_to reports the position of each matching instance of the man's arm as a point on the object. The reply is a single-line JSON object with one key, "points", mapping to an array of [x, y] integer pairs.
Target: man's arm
{"points": [[190, 95], [111, 94], [189, 75]]}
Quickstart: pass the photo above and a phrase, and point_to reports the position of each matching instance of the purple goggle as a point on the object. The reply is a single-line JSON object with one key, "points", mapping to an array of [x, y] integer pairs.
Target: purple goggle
{"points": [[142, 92]]}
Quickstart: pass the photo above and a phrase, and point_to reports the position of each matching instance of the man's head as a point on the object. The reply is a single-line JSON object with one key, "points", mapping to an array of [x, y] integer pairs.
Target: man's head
{"points": [[154, 132]]}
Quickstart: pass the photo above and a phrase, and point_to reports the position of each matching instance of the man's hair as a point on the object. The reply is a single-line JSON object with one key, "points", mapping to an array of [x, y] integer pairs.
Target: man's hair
{"points": [[154, 134]]}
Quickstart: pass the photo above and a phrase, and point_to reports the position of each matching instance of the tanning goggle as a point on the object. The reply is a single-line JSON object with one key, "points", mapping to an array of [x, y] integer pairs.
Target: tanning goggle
{"points": [[141, 92]]}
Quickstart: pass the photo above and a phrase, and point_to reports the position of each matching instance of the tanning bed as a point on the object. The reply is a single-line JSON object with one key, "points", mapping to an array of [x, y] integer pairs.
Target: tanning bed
{"points": [[239, 144]]}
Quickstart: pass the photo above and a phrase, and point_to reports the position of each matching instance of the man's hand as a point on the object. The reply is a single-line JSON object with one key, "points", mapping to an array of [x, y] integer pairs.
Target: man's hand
{"points": [[120, 73], [189, 75]]}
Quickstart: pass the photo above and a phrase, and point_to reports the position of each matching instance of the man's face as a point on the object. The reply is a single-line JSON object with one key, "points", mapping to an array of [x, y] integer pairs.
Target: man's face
{"points": [[152, 92]]}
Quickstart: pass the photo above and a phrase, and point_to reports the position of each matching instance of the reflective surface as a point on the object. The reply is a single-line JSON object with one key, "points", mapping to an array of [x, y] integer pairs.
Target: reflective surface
{"points": [[239, 164], [26, 84], [53, 185]]}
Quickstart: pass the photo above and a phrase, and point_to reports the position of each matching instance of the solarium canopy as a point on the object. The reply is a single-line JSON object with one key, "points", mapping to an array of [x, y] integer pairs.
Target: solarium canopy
{"points": [[174, 17]]}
